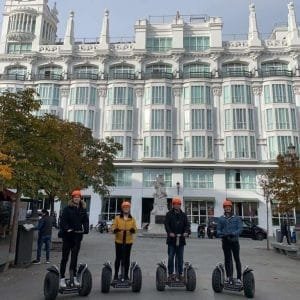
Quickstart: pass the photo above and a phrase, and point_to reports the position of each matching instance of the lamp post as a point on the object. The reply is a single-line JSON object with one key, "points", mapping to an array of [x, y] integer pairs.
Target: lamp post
{"points": [[263, 181], [178, 187]]}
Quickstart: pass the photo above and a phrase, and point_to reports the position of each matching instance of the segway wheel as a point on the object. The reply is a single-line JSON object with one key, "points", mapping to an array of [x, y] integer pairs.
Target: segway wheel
{"points": [[249, 285], [86, 284], [217, 284], [51, 286], [191, 280], [105, 280], [136, 280], [161, 278]]}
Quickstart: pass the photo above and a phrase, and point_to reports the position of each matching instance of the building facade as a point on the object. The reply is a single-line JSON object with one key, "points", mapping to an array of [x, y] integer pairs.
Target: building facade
{"points": [[207, 114]]}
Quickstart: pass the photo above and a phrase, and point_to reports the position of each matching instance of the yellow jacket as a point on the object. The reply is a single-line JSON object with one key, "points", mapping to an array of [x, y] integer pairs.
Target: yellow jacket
{"points": [[121, 224]]}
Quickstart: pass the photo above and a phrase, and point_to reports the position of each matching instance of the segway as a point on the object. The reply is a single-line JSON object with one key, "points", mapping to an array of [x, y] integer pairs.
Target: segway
{"points": [[219, 283], [135, 276], [52, 288], [189, 275]]}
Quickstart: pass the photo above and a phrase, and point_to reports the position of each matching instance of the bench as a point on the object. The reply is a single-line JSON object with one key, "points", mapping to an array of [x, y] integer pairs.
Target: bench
{"points": [[289, 250]]}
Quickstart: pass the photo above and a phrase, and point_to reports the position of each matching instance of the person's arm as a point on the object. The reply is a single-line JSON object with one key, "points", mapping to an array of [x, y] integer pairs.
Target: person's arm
{"points": [[187, 227], [220, 232], [64, 221], [40, 224], [86, 223], [114, 226], [167, 224], [133, 229]]}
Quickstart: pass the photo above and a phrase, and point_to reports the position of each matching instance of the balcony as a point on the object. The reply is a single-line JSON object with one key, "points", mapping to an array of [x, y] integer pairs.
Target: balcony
{"points": [[270, 73], [90, 76], [48, 76], [20, 77], [188, 75], [158, 75], [236, 73], [125, 75]]}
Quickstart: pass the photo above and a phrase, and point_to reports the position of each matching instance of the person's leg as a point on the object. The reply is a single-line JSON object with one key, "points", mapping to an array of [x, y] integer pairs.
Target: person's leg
{"points": [[66, 248], [39, 248], [118, 248], [180, 251], [74, 253], [127, 259], [171, 255], [228, 258], [235, 247], [47, 241]]}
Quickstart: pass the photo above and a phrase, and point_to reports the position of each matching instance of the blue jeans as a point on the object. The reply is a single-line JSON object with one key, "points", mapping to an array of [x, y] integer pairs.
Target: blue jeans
{"points": [[175, 252], [46, 239]]}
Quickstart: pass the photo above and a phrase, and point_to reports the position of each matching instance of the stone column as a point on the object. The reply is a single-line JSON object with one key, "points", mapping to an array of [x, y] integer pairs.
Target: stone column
{"points": [[100, 123], [218, 124], [138, 123], [64, 98], [177, 123]]}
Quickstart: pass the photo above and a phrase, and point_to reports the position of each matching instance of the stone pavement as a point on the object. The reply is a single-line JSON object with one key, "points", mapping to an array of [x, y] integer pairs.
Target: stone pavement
{"points": [[277, 276]]}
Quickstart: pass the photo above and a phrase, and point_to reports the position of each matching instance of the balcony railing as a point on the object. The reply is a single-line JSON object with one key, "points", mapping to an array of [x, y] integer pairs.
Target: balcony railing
{"points": [[158, 75], [124, 75], [50, 76], [270, 73], [236, 73], [20, 77], [91, 76], [187, 75]]}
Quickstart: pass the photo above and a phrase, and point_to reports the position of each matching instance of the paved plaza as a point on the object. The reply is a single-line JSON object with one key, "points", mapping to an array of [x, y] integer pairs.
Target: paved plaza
{"points": [[277, 277]]}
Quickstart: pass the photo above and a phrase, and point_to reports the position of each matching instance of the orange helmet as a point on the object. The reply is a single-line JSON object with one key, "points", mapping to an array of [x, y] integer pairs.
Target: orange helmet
{"points": [[176, 201], [227, 203], [125, 204], [76, 193]]}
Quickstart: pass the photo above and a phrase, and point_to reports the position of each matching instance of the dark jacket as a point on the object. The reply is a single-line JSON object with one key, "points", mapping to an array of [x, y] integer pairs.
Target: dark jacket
{"points": [[177, 223], [45, 226], [74, 218], [229, 227]]}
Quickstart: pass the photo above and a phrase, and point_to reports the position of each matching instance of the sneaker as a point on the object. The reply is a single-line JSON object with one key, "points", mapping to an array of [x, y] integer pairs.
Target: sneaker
{"points": [[62, 283], [76, 282], [47, 262], [36, 262], [180, 277], [239, 281]]}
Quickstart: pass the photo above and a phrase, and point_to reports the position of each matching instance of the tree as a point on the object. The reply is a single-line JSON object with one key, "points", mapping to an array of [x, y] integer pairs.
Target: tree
{"points": [[5, 167]]}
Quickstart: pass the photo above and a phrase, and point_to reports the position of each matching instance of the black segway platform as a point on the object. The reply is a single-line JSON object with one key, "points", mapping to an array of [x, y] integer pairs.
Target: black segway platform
{"points": [[52, 288]]}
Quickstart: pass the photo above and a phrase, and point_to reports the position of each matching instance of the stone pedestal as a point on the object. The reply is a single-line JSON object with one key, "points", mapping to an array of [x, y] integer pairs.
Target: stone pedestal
{"points": [[157, 218]]}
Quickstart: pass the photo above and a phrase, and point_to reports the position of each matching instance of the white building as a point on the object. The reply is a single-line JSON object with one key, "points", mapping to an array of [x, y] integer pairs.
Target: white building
{"points": [[207, 114]]}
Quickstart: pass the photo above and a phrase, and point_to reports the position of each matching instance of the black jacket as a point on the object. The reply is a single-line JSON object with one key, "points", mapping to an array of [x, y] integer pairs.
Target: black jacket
{"points": [[75, 219], [177, 223], [45, 226]]}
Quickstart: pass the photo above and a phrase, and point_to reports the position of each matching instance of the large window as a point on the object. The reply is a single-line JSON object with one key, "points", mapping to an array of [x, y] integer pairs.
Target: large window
{"points": [[241, 179], [278, 93], [123, 177], [158, 95], [121, 72], [196, 43], [83, 95], [149, 177], [239, 118], [246, 210], [278, 217], [237, 93], [197, 95], [159, 44], [279, 145], [126, 142], [198, 147], [83, 116], [161, 119], [50, 73], [119, 119], [198, 179], [16, 73], [158, 146], [49, 94], [120, 96], [18, 48], [198, 119], [111, 207], [240, 147], [198, 211], [86, 72]]}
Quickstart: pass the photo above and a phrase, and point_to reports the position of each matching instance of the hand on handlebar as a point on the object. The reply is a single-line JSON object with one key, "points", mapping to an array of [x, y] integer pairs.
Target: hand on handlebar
{"points": [[171, 234]]}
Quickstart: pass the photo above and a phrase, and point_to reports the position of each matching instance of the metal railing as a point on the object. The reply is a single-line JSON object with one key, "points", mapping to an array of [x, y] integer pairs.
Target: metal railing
{"points": [[157, 75], [236, 73], [46, 76], [270, 73], [203, 74], [124, 75], [91, 76], [20, 77]]}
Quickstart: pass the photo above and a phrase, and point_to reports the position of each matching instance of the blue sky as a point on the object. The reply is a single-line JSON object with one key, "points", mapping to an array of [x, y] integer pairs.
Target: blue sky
{"points": [[124, 13]]}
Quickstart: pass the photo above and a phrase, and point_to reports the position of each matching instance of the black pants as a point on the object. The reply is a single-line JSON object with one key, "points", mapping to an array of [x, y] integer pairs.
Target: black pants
{"points": [[71, 243], [283, 234], [232, 247], [123, 257]]}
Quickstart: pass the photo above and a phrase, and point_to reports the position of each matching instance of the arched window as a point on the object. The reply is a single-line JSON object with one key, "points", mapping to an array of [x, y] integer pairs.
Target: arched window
{"points": [[196, 70], [86, 72], [122, 71], [159, 71], [275, 68], [16, 72], [235, 70], [51, 72]]}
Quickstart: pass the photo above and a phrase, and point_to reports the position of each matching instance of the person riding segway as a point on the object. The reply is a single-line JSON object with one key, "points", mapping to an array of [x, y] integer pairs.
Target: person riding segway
{"points": [[229, 227], [74, 223], [177, 227], [124, 227]]}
